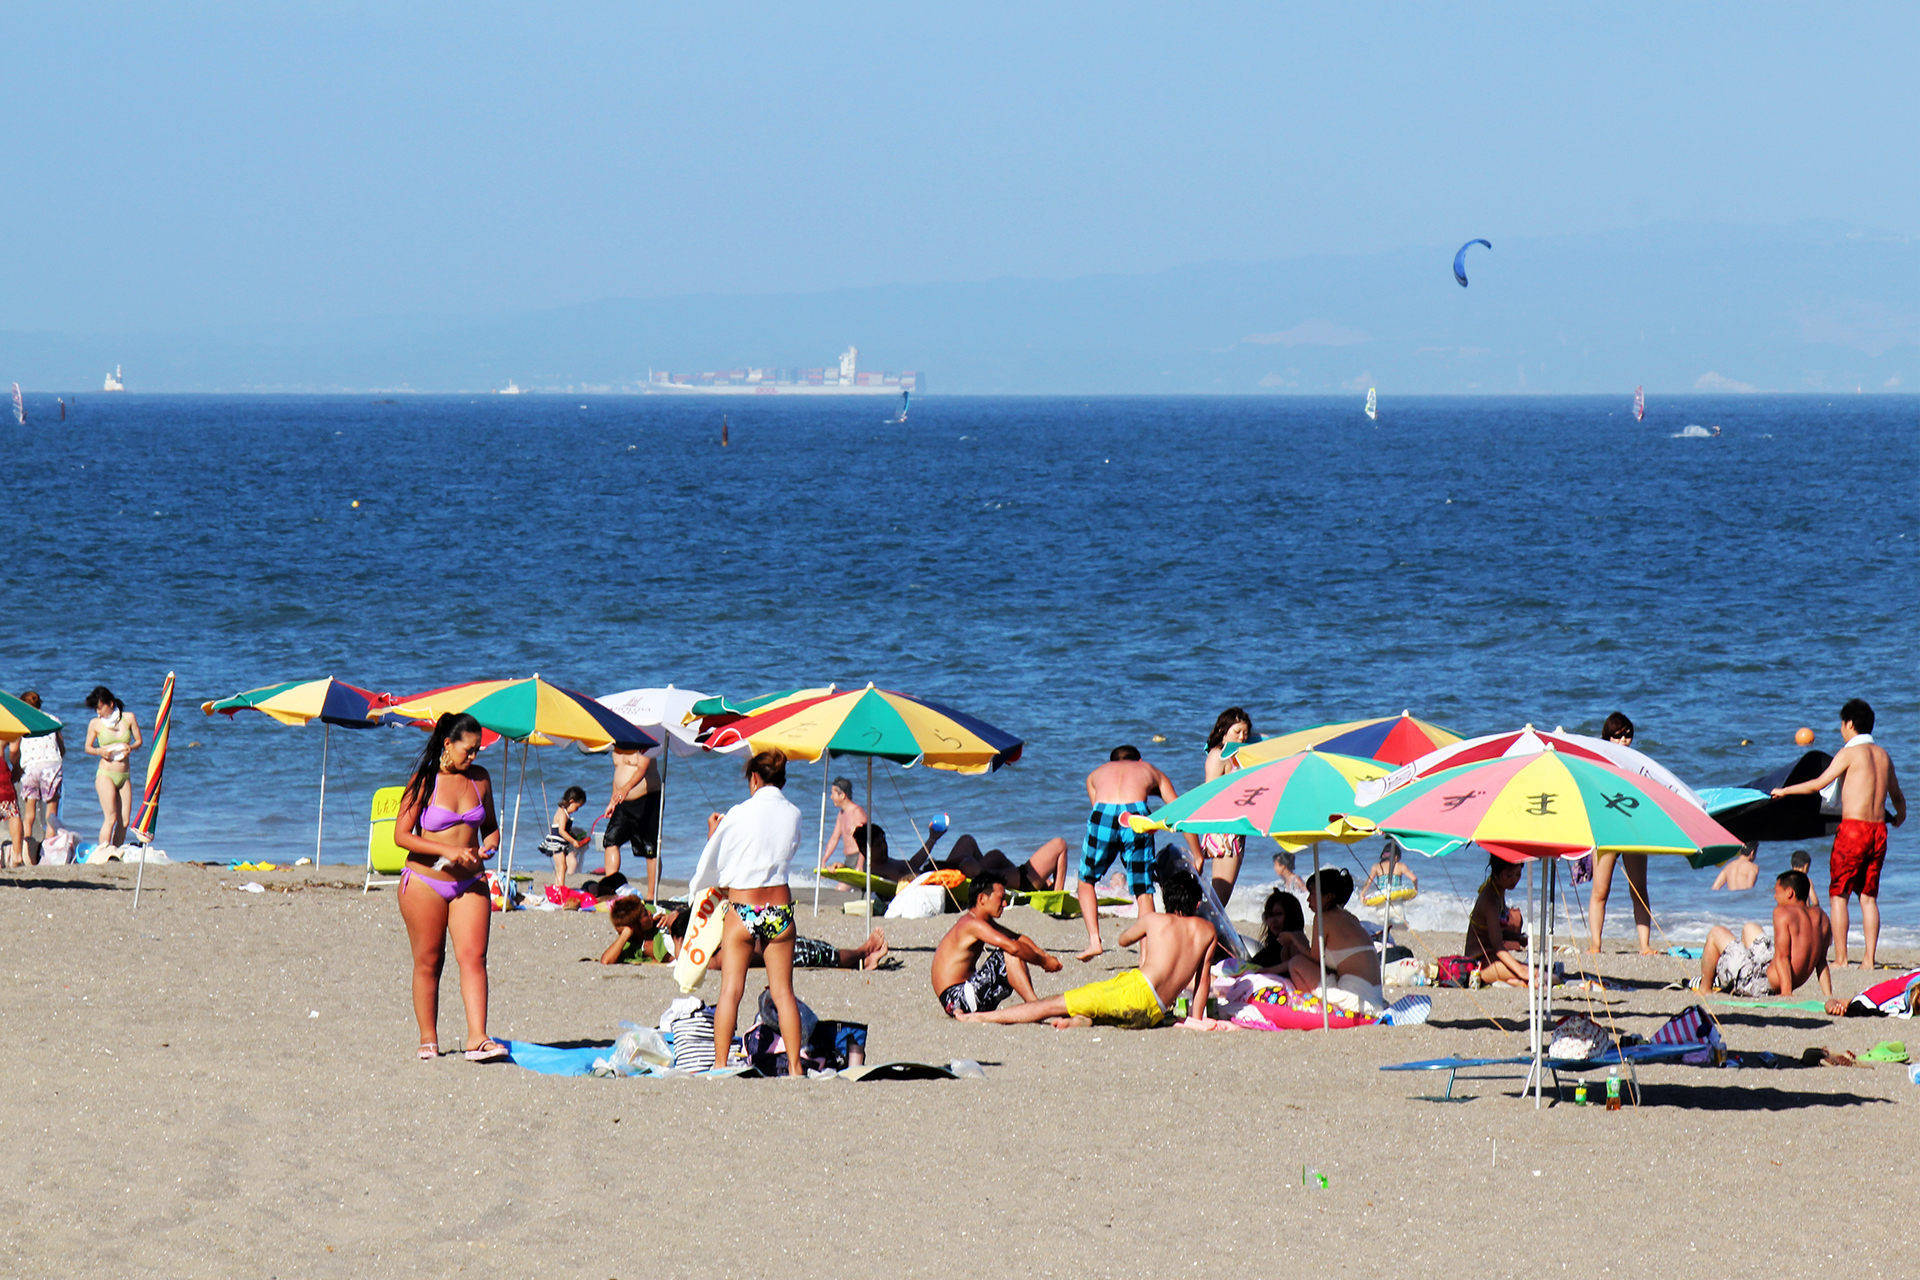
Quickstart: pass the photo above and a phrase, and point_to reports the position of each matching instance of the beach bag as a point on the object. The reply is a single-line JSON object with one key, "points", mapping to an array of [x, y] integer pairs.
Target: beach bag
{"points": [[1691, 1026], [1578, 1038], [692, 1036], [1454, 971], [917, 902], [57, 849]]}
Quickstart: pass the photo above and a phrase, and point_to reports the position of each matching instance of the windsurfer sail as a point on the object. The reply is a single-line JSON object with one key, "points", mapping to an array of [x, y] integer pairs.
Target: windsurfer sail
{"points": [[1639, 404], [19, 406], [905, 396], [1373, 404]]}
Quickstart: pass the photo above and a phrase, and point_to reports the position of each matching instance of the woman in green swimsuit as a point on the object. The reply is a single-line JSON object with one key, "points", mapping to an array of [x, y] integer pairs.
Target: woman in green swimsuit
{"points": [[113, 735]]}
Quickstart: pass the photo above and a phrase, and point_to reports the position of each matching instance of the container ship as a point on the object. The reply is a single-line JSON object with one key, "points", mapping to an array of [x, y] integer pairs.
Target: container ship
{"points": [[846, 380]]}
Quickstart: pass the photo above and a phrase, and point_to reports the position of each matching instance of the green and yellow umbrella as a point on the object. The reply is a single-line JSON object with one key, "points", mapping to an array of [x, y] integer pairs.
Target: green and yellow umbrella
{"points": [[1291, 800], [18, 720], [528, 711]]}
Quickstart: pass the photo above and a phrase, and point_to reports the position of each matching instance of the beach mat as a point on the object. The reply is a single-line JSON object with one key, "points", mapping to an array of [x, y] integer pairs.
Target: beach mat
{"points": [[1817, 1006], [899, 1071], [883, 888], [1062, 905], [547, 1060]]}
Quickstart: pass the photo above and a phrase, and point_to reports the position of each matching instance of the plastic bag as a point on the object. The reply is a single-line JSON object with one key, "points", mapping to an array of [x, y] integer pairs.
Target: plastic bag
{"points": [[917, 902], [637, 1049]]}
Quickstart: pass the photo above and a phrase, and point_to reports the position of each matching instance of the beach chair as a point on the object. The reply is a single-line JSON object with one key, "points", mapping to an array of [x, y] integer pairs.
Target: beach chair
{"points": [[385, 859], [1632, 1058]]}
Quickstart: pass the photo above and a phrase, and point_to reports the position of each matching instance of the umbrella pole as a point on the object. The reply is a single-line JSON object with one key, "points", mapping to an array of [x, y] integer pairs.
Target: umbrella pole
{"points": [[320, 823], [1533, 988], [520, 785], [660, 817], [869, 858], [820, 835], [1319, 943]]}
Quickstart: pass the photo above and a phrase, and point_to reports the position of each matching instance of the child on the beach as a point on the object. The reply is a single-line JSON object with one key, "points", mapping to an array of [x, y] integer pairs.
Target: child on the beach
{"points": [[563, 840], [644, 936], [1389, 880]]}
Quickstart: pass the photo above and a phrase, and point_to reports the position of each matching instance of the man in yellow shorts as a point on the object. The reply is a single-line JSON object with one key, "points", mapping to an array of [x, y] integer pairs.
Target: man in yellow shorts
{"points": [[1175, 947]]}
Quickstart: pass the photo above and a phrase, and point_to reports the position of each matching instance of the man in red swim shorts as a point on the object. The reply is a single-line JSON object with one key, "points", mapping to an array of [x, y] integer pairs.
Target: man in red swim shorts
{"points": [[1867, 780]]}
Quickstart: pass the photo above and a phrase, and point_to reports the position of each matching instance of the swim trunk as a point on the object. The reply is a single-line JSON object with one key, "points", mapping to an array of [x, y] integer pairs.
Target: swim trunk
{"points": [[1742, 970], [1858, 850], [41, 782], [986, 988], [1124, 1000], [1109, 837], [1215, 845], [637, 823], [9, 809], [769, 923], [811, 953]]}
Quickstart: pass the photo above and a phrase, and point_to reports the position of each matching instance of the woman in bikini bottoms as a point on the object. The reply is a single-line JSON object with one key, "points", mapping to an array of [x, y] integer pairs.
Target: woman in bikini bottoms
{"points": [[113, 735], [447, 826], [748, 855]]}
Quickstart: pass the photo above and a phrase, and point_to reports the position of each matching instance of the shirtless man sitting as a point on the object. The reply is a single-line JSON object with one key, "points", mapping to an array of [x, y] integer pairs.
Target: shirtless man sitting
{"points": [[1758, 966], [1860, 845], [966, 983], [1174, 949], [1116, 790], [848, 818]]}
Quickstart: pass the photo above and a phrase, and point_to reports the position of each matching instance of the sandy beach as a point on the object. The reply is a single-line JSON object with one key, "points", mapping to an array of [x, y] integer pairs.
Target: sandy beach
{"points": [[223, 1084]]}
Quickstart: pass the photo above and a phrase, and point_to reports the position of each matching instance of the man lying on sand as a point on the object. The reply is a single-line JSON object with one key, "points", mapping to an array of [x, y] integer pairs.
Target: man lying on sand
{"points": [[1757, 966], [1117, 789], [1046, 869], [1174, 949], [963, 981], [641, 937]]}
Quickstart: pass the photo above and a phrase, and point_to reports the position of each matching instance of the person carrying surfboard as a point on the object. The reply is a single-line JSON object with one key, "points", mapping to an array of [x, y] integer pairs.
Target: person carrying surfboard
{"points": [[748, 857]]}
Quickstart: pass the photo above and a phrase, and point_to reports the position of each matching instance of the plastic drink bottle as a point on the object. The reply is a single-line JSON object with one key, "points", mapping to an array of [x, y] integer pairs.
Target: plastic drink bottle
{"points": [[1579, 1093], [1613, 1088]]}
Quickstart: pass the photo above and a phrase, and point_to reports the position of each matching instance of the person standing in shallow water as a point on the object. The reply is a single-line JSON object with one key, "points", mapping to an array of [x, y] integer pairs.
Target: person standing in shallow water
{"points": [[113, 735], [446, 824], [1619, 731], [1234, 726]]}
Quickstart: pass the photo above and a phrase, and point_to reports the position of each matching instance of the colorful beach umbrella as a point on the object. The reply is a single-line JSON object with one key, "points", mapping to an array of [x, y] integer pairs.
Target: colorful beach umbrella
{"points": [[1291, 800], [1527, 741], [140, 831], [879, 724], [1394, 739], [876, 723], [299, 702], [527, 711], [19, 720], [721, 708], [1549, 804]]}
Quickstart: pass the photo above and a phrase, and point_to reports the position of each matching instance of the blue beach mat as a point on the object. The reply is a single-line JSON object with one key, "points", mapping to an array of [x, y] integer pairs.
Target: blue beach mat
{"points": [[550, 1061]]}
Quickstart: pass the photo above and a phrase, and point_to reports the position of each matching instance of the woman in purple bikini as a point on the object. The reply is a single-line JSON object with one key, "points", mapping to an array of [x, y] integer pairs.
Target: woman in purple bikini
{"points": [[447, 826]]}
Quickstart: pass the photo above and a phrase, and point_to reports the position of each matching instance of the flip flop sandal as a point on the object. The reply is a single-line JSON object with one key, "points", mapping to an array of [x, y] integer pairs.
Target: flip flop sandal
{"points": [[488, 1050], [429, 1051]]}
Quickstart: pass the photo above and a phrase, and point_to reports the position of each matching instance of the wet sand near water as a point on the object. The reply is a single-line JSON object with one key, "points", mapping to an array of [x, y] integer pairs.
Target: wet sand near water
{"points": [[174, 1108]]}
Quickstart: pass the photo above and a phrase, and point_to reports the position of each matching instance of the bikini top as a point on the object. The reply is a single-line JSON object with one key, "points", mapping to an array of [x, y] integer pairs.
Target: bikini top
{"points": [[437, 817]]}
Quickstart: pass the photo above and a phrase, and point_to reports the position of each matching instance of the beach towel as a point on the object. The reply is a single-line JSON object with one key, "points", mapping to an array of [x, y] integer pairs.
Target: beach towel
{"points": [[1889, 999]]}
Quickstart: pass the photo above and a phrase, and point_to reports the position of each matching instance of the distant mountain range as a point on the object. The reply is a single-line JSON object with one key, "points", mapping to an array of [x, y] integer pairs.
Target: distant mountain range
{"points": [[1811, 307]]}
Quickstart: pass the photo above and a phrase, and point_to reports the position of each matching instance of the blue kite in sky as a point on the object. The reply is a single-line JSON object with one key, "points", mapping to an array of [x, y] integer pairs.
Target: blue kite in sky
{"points": [[1460, 260]]}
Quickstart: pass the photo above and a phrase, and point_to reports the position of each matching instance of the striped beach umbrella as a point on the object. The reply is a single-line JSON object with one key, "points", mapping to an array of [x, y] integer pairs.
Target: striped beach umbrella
{"points": [[719, 708], [527, 711], [876, 723], [1548, 804], [301, 702], [1394, 739], [1526, 741], [1291, 800], [140, 831], [19, 720]]}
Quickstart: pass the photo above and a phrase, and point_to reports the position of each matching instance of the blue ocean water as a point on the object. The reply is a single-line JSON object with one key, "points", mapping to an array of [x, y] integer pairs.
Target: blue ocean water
{"points": [[1081, 572]]}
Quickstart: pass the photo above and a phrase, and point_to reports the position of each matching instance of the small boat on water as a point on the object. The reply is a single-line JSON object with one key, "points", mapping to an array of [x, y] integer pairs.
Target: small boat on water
{"points": [[511, 389], [113, 381], [1373, 404], [901, 417], [1639, 404], [19, 406]]}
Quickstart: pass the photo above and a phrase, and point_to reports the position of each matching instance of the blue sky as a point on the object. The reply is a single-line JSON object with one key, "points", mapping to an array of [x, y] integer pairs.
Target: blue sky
{"points": [[286, 163]]}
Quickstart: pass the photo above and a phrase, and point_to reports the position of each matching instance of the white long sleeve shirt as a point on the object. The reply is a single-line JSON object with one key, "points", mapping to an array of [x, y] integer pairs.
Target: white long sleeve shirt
{"points": [[753, 846]]}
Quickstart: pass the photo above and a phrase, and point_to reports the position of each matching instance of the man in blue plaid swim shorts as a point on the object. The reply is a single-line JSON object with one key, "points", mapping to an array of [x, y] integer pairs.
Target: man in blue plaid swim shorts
{"points": [[1117, 789]]}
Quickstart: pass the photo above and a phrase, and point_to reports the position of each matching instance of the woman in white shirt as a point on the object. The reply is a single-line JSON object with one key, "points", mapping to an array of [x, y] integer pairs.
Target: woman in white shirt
{"points": [[747, 857]]}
